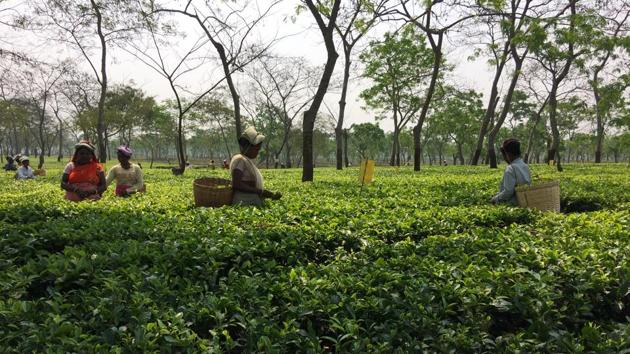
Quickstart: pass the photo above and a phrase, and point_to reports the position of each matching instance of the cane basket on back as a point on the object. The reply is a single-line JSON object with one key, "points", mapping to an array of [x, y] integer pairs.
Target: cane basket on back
{"points": [[542, 196]]}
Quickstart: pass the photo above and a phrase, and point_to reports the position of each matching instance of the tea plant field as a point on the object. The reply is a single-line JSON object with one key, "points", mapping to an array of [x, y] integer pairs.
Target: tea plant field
{"points": [[415, 262]]}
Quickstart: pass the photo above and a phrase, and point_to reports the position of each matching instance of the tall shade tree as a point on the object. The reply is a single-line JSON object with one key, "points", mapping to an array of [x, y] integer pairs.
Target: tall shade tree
{"points": [[509, 31], [367, 140], [59, 106], [556, 54], [81, 93], [354, 21], [536, 121], [398, 67], [228, 26], [86, 25], [523, 33], [174, 64], [214, 112], [434, 18], [14, 113], [41, 81], [612, 37], [325, 15], [127, 106], [282, 86], [458, 115]]}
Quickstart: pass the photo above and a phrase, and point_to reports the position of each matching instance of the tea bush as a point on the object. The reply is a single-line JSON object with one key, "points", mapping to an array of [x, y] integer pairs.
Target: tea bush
{"points": [[414, 262]]}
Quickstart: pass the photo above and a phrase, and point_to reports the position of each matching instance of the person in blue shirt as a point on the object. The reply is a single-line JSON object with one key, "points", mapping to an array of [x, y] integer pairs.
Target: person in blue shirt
{"points": [[517, 173]]}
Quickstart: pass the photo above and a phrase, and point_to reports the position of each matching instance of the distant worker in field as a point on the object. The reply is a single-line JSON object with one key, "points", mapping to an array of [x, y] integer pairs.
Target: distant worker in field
{"points": [[247, 181], [25, 171], [10, 165], [516, 173], [129, 177], [83, 177]]}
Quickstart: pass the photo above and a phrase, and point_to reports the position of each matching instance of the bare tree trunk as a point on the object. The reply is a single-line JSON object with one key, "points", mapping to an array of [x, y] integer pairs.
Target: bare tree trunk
{"points": [[233, 92], [553, 103], [392, 159], [60, 152], [507, 104], [42, 143], [345, 147], [342, 109], [100, 122], [530, 136], [460, 154], [417, 130], [553, 153], [311, 114], [397, 142], [181, 157], [600, 119], [288, 155], [492, 105]]}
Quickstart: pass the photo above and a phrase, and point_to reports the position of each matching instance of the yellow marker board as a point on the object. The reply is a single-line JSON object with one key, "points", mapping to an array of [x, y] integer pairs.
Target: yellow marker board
{"points": [[366, 172]]}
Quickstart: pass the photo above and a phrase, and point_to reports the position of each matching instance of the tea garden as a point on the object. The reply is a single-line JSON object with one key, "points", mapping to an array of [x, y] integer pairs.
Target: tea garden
{"points": [[415, 262]]}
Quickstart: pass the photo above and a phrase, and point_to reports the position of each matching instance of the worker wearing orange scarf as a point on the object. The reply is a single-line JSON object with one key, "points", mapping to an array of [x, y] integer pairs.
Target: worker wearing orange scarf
{"points": [[83, 178]]}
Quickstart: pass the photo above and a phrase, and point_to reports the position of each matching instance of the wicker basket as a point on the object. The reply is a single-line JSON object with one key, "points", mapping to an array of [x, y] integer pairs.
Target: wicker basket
{"points": [[542, 196], [212, 192], [41, 172]]}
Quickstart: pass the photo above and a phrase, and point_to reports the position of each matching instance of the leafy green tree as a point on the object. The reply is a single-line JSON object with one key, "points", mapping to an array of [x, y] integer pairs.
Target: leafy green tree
{"points": [[127, 107], [617, 145], [397, 66], [612, 37], [367, 139], [157, 132], [213, 112], [561, 48], [510, 28], [435, 18], [354, 21], [457, 115]]}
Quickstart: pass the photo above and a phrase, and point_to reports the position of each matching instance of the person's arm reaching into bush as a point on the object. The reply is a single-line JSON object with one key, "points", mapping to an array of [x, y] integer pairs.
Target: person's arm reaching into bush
{"points": [[243, 186]]}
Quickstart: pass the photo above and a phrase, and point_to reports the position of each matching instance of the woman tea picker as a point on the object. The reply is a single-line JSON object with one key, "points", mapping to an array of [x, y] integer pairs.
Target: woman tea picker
{"points": [[247, 182], [128, 176], [515, 174], [83, 178]]}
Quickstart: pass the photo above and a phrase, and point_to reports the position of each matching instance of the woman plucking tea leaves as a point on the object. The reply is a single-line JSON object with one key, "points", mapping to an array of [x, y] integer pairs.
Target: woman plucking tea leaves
{"points": [[83, 177], [247, 181], [129, 177]]}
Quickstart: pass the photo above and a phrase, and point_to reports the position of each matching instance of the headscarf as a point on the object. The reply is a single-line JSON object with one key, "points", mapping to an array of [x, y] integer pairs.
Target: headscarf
{"points": [[86, 173], [125, 150], [252, 136], [87, 145]]}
